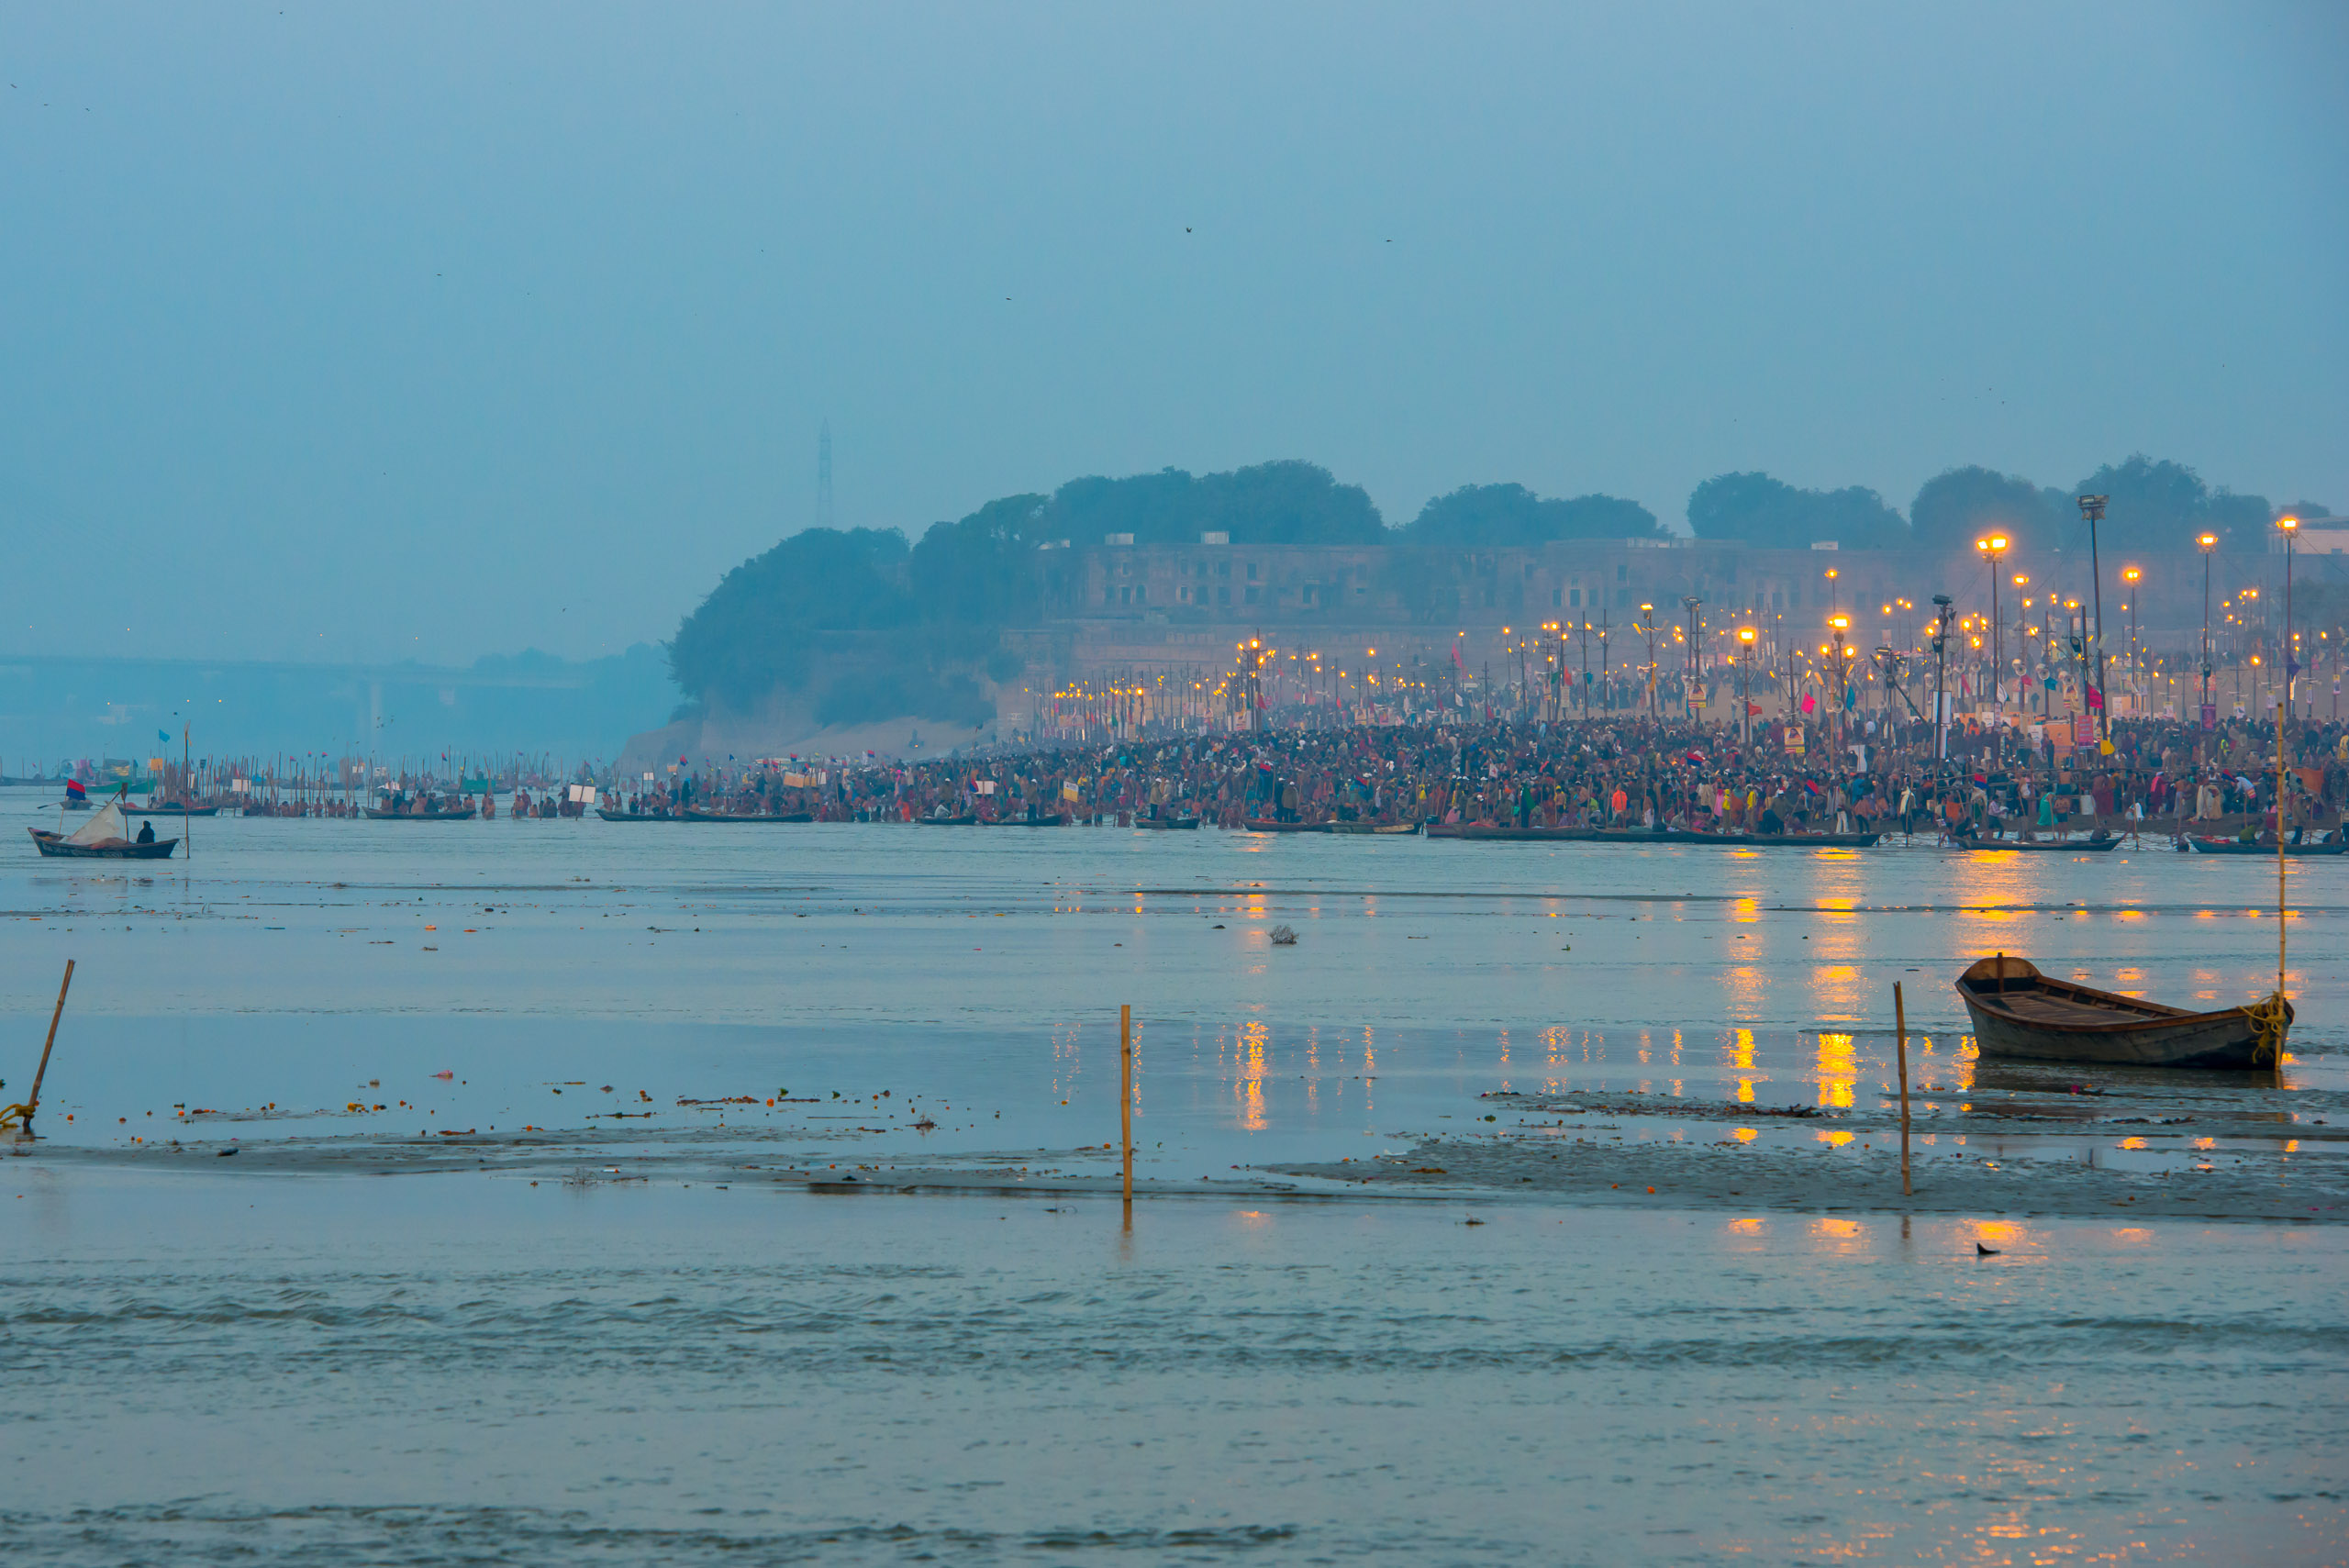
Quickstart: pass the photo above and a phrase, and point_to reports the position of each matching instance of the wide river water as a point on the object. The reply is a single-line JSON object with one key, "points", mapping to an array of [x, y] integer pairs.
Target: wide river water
{"points": [[608, 1358]]}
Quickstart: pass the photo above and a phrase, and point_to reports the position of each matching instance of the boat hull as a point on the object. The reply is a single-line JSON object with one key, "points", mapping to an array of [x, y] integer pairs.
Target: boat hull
{"points": [[690, 814], [1659, 836], [2044, 846], [2230, 847], [375, 814], [56, 847], [1167, 824], [2021, 1015]]}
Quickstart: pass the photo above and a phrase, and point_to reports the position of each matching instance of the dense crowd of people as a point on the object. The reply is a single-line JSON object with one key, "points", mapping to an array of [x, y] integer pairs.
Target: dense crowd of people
{"points": [[1607, 774]]}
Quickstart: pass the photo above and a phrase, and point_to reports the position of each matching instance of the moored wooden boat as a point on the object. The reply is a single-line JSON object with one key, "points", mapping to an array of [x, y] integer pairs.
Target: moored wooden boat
{"points": [[968, 820], [62, 847], [1167, 824], [1061, 821], [379, 814], [2019, 1012], [2237, 847], [172, 808], [2042, 846], [1263, 825], [696, 814], [104, 837], [609, 815]]}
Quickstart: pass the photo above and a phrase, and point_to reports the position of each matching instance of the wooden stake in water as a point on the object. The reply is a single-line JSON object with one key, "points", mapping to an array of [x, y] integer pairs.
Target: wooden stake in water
{"points": [[1126, 1100], [24, 1113], [1901, 1036]]}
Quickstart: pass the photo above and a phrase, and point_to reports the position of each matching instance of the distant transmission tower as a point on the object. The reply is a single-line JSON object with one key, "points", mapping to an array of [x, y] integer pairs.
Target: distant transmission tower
{"points": [[824, 475]]}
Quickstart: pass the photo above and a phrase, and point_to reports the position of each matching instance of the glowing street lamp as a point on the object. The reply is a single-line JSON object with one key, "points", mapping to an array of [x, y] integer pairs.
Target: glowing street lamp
{"points": [[1746, 668], [1992, 546]]}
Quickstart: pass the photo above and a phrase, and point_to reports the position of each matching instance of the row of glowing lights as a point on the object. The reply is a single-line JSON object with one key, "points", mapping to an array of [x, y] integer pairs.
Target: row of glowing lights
{"points": [[1991, 546]]}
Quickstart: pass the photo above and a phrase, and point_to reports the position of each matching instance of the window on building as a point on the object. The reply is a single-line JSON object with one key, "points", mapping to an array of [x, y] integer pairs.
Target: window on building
{"points": [[1223, 595], [1557, 598], [1141, 593], [1125, 595], [1252, 571], [1223, 569], [1574, 598], [1622, 574], [1252, 595]]}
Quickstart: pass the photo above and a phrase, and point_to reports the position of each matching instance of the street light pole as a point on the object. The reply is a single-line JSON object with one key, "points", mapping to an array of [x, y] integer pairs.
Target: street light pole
{"points": [[2131, 576], [2092, 509], [1695, 660], [2209, 543], [2291, 527], [1993, 548], [1941, 617], [1745, 670]]}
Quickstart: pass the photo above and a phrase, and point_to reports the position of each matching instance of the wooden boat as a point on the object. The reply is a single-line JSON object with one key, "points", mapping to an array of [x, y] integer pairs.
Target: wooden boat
{"points": [[1061, 821], [104, 837], [696, 814], [1780, 840], [1373, 827], [1495, 831], [968, 820], [1658, 836], [1260, 825], [378, 814], [2042, 846], [1167, 824], [173, 809], [2237, 847], [609, 815], [2019, 1012]]}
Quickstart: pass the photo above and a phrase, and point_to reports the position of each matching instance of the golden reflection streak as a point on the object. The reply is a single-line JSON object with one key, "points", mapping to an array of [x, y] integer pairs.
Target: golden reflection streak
{"points": [[1838, 1069]]}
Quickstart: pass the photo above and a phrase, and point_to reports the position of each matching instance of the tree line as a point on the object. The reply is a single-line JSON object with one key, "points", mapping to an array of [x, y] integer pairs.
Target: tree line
{"points": [[946, 598]]}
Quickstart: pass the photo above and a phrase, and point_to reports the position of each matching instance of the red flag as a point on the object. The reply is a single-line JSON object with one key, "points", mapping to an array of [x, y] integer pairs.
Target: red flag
{"points": [[1753, 710], [2096, 699]]}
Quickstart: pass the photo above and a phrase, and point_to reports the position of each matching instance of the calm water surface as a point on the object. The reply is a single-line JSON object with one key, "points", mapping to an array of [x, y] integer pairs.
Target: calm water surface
{"points": [[460, 1366]]}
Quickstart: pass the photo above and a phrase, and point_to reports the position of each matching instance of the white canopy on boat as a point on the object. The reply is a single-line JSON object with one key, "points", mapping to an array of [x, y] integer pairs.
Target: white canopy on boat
{"points": [[105, 823]]}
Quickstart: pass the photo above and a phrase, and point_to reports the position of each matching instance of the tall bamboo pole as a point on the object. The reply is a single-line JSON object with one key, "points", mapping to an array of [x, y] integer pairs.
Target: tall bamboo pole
{"points": [[1900, 1034], [1126, 1100]]}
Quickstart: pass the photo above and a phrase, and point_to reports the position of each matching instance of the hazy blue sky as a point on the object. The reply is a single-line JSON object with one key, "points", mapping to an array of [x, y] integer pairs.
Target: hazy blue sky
{"points": [[365, 330]]}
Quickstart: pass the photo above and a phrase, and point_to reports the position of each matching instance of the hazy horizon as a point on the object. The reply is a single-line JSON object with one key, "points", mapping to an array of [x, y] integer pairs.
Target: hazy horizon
{"points": [[434, 333]]}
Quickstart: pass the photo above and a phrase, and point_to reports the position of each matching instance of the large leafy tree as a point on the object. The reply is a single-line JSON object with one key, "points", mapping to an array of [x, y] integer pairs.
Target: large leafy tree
{"points": [[1288, 502], [1488, 516], [1762, 510], [1959, 506], [752, 633], [2167, 505], [976, 572]]}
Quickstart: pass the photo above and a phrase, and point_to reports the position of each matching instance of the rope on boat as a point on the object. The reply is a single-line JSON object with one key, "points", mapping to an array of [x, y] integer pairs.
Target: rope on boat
{"points": [[2269, 1020]]}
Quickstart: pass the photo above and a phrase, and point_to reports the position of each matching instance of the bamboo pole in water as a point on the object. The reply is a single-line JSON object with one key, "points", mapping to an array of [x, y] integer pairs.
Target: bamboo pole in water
{"points": [[32, 1101], [1900, 1037], [1126, 1100]]}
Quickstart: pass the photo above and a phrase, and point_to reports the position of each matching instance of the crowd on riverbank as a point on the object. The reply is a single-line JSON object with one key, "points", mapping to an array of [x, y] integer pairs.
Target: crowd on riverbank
{"points": [[1597, 774], [1593, 773]]}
